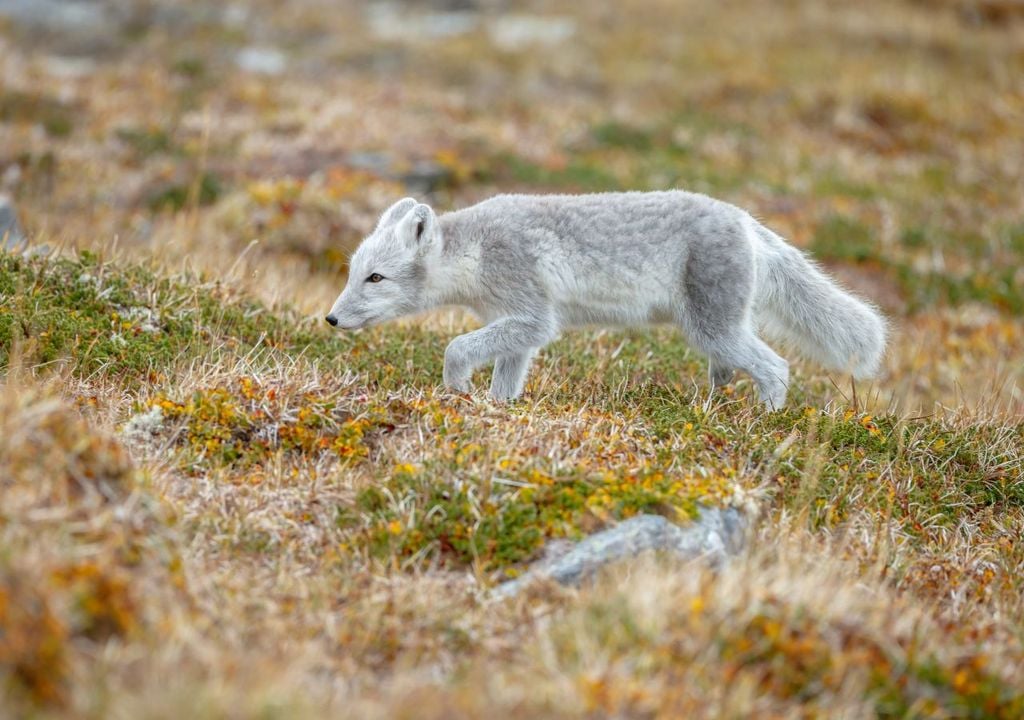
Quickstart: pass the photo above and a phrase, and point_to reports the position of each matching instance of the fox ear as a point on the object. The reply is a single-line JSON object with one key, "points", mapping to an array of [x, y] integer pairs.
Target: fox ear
{"points": [[418, 226], [396, 211]]}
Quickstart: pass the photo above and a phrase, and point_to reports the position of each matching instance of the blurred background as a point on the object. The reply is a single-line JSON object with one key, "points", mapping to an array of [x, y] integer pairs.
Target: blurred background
{"points": [[885, 136]]}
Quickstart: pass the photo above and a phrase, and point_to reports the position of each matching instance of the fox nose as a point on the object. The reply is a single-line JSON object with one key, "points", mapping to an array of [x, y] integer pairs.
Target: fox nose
{"points": [[331, 320]]}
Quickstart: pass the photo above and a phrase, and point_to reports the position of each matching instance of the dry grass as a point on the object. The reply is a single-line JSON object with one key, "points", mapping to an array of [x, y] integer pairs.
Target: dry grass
{"points": [[211, 506]]}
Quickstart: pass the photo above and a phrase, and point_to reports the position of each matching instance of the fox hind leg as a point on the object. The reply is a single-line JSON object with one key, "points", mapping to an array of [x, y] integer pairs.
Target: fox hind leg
{"points": [[720, 375], [731, 344], [747, 352], [770, 372], [715, 301]]}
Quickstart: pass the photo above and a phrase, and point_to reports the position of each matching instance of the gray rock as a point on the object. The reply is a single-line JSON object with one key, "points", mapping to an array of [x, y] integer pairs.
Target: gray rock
{"points": [[715, 535], [11, 235], [518, 32], [78, 28], [61, 15], [423, 176], [393, 21], [261, 60], [93, 28], [69, 68], [426, 176], [375, 162]]}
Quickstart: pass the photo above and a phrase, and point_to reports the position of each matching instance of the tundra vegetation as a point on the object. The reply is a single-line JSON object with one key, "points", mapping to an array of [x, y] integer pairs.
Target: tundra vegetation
{"points": [[211, 505]]}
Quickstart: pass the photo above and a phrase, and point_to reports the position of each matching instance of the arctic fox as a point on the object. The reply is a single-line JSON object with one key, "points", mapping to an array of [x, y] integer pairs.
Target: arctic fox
{"points": [[530, 266]]}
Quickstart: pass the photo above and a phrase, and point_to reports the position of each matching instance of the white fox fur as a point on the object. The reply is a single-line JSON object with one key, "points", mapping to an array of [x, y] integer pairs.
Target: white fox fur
{"points": [[530, 266]]}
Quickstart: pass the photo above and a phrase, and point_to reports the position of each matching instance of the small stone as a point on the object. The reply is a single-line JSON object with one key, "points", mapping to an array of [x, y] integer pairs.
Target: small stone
{"points": [[393, 21], [236, 15], [71, 28], [56, 15], [426, 176], [143, 427], [517, 32], [69, 68], [375, 162], [423, 176], [261, 60], [32, 251], [716, 534]]}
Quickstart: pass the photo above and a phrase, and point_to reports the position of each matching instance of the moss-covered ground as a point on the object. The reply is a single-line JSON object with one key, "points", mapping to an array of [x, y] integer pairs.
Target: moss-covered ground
{"points": [[212, 505]]}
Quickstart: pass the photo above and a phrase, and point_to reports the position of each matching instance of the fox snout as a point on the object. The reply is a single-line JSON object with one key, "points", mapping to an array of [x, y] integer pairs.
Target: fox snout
{"points": [[344, 319], [333, 321], [345, 314]]}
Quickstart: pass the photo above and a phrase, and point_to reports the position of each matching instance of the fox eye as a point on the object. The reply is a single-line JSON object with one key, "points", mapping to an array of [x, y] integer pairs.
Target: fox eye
{"points": [[375, 278]]}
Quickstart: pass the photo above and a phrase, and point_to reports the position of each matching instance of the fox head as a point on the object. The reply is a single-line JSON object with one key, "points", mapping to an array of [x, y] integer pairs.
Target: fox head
{"points": [[387, 272]]}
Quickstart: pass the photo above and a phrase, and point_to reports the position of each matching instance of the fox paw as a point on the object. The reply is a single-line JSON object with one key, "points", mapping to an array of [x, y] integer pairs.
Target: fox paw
{"points": [[459, 386], [456, 371], [504, 394]]}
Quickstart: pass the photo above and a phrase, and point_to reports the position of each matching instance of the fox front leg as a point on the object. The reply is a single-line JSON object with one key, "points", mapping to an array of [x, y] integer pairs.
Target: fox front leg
{"points": [[507, 337], [510, 375]]}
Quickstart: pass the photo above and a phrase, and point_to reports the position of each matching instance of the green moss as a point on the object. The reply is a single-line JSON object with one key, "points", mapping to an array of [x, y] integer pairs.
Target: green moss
{"points": [[1015, 240], [952, 470], [839, 237], [62, 311], [146, 141], [500, 521], [192, 68], [249, 424], [394, 360], [578, 175], [127, 323], [794, 655], [997, 288], [915, 238], [834, 184], [619, 135], [56, 118], [203, 191]]}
